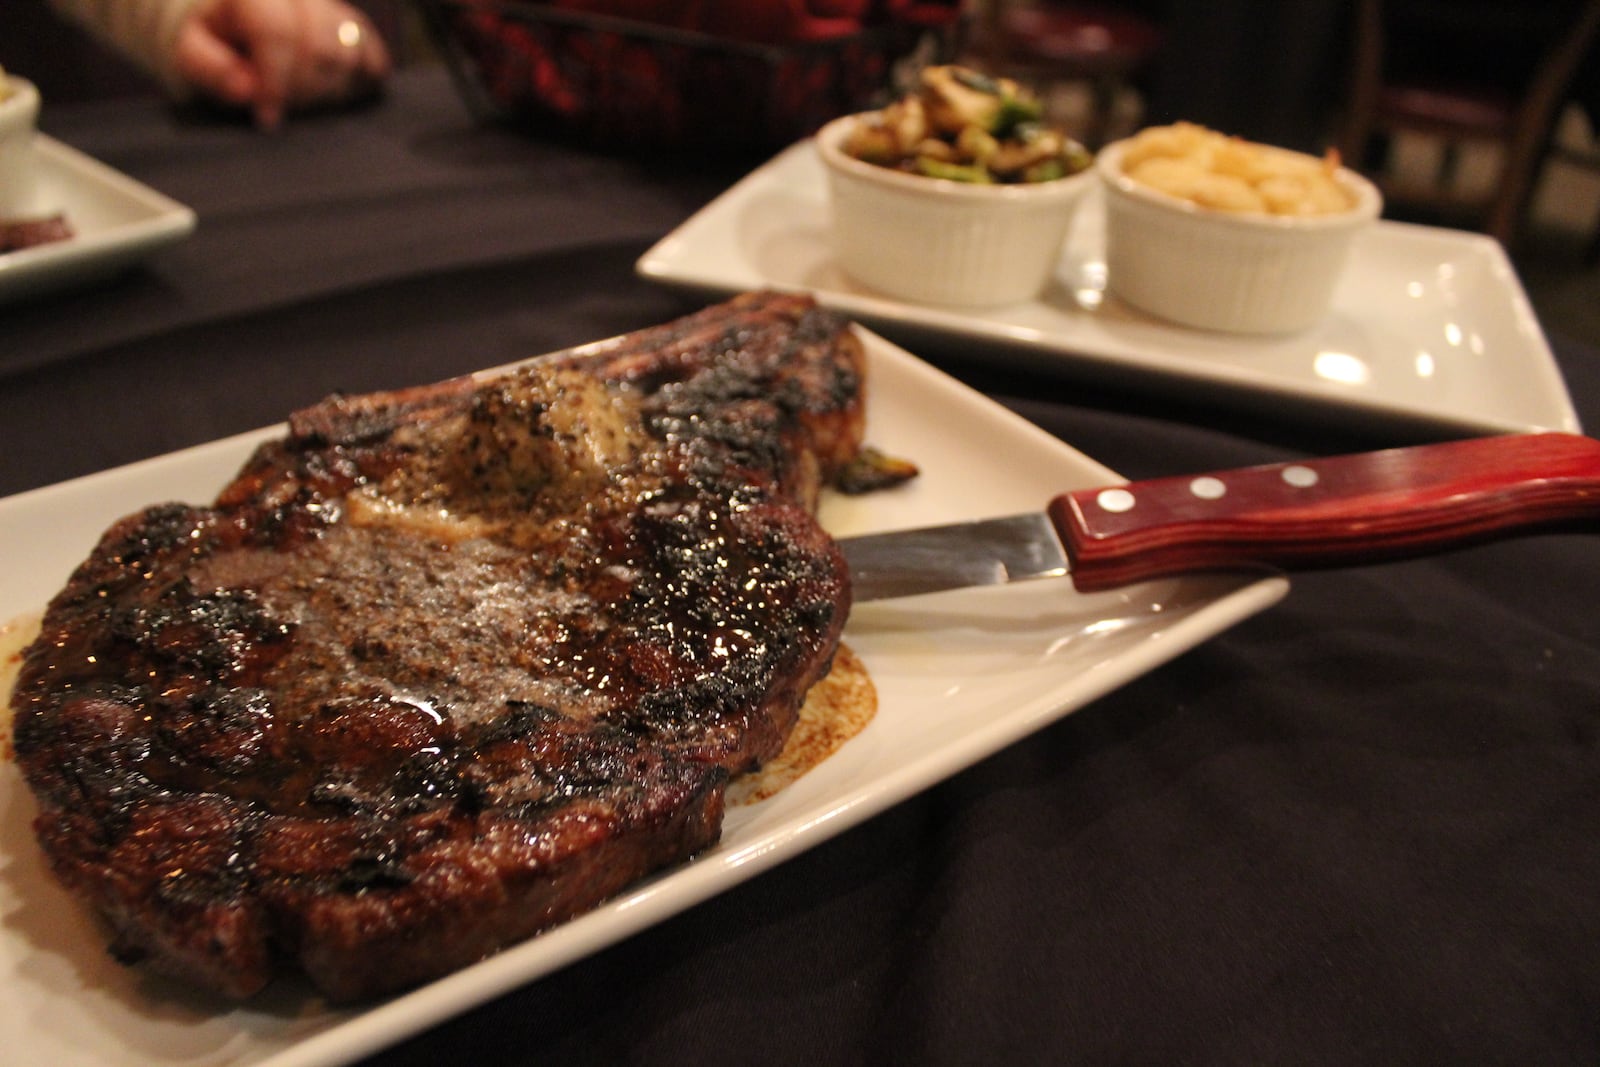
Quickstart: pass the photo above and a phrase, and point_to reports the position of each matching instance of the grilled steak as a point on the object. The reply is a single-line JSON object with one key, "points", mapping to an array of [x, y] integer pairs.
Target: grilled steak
{"points": [[17, 234], [442, 667]]}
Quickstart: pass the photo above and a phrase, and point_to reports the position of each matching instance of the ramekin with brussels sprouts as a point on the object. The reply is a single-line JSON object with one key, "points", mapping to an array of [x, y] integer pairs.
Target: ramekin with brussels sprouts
{"points": [[966, 126]]}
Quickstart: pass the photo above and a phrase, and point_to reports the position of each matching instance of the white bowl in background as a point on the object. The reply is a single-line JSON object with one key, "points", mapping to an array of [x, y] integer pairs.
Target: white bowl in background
{"points": [[19, 118], [948, 243], [1219, 270]]}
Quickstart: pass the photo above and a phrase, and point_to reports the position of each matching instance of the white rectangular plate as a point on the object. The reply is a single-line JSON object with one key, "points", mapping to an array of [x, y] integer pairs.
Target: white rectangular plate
{"points": [[1428, 326], [959, 675], [116, 222]]}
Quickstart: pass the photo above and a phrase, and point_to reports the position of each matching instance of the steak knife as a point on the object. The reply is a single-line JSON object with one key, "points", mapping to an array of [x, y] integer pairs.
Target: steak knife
{"points": [[1309, 513]]}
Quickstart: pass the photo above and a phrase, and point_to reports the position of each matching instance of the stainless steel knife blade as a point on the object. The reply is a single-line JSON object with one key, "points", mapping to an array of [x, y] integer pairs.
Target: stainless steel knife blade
{"points": [[932, 559]]}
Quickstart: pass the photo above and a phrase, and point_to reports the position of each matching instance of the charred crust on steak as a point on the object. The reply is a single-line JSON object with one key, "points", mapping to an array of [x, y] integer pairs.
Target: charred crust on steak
{"points": [[444, 666]]}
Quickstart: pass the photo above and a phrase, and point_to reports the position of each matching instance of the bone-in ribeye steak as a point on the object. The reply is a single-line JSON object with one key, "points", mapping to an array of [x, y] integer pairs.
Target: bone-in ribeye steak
{"points": [[444, 666]]}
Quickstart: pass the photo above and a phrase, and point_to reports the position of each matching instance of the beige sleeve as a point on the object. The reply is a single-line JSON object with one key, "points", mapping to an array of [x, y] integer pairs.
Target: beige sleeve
{"points": [[143, 30]]}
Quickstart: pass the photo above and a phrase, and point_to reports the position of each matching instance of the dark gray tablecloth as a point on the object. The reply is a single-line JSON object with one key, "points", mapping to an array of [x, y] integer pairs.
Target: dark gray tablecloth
{"points": [[1363, 826]]}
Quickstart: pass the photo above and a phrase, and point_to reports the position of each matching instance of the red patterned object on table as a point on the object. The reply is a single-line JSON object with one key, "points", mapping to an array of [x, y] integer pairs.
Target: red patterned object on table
{"points": [[649, 74]]}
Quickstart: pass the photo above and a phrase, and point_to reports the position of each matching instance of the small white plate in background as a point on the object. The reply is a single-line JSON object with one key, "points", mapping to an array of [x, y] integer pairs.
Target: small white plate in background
{"points": [[116, 222]]}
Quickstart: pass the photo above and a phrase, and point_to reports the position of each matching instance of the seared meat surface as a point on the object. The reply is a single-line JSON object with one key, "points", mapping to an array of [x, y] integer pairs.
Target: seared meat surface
{"points": [[17, 234], [444, 666]]}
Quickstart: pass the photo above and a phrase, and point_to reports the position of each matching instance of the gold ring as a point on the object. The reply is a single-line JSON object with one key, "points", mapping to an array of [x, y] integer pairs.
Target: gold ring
{"points": [[350, 33]]}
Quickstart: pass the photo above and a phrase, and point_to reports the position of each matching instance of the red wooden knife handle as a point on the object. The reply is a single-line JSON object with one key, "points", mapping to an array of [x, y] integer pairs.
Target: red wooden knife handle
{"points": [[1324, 512]]}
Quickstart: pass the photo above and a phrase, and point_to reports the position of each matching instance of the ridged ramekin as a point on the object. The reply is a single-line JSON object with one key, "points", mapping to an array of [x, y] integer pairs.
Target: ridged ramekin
{"points": [[1219, 270], [948, 243], [19, 118]]}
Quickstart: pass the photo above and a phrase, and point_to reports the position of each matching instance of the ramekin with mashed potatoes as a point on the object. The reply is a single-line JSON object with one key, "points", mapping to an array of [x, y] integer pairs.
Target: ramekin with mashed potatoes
{"points": [[1215, 232], [19, 118]]}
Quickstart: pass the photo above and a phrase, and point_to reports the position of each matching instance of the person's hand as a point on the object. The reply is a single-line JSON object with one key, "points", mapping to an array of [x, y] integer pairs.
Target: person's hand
{"points": [[273, 56]]}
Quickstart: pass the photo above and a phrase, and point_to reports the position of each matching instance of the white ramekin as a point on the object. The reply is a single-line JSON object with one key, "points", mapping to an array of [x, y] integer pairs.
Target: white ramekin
{"points": [[1219, 270], [19, 118], [942, 242]]}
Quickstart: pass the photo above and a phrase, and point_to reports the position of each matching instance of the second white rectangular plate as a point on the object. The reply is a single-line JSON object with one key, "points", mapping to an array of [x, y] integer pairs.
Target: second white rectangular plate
{"points": [[116, 222], [1429, 326], [959, 675]]}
